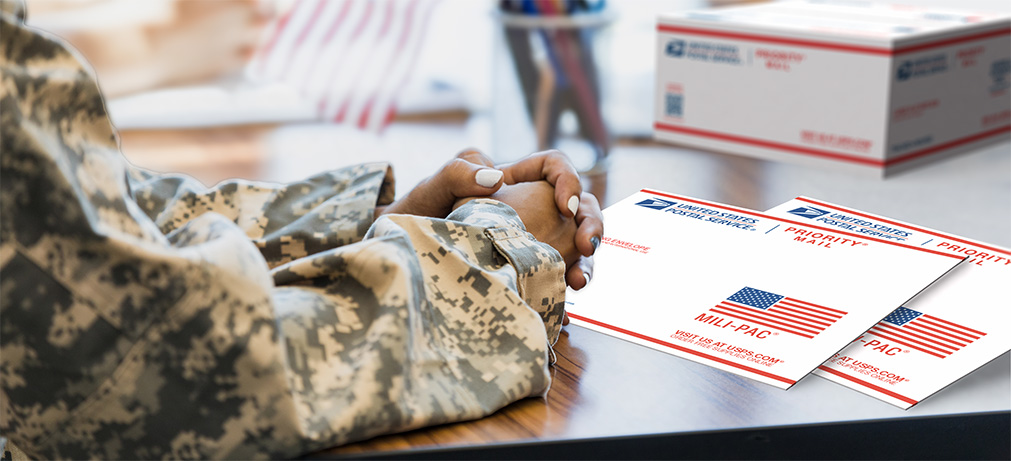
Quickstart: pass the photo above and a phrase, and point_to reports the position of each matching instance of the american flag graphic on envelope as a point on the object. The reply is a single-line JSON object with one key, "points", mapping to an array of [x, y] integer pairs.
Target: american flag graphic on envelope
{"points": [[778, 312], [925, 333]]}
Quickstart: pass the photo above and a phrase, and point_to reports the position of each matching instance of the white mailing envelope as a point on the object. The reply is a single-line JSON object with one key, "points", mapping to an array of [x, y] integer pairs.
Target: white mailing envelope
{"points": [[955, 327], [763, 297]]}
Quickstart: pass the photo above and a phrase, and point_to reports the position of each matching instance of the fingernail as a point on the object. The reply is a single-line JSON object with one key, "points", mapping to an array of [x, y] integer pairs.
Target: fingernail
{"points": [[587, 277], [573, 204], [595, 241], [488, 177]]}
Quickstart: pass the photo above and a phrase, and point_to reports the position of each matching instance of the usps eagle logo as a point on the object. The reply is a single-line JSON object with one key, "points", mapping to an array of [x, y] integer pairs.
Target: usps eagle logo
{"points": [[809, 212], [675, 48], [655, 204]]}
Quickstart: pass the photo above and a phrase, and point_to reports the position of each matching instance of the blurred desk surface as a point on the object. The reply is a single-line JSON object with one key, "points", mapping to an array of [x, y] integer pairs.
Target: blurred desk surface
{"points": [[605, 387]]}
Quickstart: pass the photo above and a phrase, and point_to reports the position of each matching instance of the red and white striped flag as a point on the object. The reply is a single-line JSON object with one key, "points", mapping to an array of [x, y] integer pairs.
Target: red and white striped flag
{"points": [[352, 58], [778, 312], [925, 333]]}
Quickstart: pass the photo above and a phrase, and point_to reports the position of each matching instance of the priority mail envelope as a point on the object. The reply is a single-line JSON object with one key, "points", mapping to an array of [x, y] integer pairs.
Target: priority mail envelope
{"points": [[769, 298], [958, 325]]}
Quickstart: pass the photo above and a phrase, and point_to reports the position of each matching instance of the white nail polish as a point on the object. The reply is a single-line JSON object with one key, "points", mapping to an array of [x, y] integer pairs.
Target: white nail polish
{"points": [[587, 277], [573, 204], [488, 177]]}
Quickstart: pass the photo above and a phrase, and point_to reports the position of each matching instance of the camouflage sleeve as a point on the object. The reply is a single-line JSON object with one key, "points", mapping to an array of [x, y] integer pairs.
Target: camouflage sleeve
{"points": [[127, 338], [428, 327], [285, 221], [15, 9], [539, 267], [118, 340]]}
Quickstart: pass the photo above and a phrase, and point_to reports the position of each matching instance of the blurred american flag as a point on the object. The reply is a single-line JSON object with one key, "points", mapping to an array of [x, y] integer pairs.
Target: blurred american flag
{"points": [[352, 58]]}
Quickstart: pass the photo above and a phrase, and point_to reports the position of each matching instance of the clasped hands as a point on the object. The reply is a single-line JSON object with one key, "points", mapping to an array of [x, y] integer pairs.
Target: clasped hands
{"points": [[543, 188]]}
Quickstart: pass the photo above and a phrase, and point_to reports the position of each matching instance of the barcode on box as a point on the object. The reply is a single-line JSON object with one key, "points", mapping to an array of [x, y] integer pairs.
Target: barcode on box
{"points": [[674, 105]]}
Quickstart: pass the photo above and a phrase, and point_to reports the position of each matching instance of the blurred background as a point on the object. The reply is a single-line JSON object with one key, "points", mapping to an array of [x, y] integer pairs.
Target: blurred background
{"points": [[278, 90], [350, 75]]}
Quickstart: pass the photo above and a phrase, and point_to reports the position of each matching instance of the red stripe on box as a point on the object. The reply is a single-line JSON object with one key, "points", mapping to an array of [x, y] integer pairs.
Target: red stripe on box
{"points": [[948, 145], [833, 46], [769, 144], [829, 154], [777, 40], [953, 40]]}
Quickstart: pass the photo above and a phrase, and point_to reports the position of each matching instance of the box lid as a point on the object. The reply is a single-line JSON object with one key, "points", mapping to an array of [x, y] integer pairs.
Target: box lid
{"points": [[856, 22]]}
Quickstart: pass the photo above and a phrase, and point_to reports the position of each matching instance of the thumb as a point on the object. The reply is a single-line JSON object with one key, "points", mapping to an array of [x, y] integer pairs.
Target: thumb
{"points": [[464, 179]]}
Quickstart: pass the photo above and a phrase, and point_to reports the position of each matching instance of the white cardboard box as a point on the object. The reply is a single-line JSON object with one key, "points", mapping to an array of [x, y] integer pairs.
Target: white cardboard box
{"points": [[855, 85]]}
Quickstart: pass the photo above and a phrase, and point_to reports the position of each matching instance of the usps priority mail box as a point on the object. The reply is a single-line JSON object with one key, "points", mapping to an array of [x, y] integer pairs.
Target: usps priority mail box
{"points": [[859, 86]]}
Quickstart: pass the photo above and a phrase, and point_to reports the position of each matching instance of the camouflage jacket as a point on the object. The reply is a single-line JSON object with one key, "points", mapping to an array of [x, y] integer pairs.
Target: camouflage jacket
{"points": [[147, 316]]}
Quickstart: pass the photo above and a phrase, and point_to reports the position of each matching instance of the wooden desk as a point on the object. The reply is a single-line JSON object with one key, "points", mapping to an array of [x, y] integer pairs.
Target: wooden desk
{"points": [[608, 388]]}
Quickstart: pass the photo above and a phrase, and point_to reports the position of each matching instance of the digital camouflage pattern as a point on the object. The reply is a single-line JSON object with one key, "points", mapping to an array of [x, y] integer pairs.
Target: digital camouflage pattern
{"points": [[147, 316]]}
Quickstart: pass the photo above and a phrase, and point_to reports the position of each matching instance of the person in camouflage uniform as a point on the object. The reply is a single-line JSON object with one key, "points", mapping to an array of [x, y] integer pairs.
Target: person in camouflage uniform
{"points": [[147, 316]]}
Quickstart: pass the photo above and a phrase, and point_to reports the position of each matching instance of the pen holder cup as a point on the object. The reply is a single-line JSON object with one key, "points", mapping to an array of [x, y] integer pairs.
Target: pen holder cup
{"points": [[550, 87]]}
